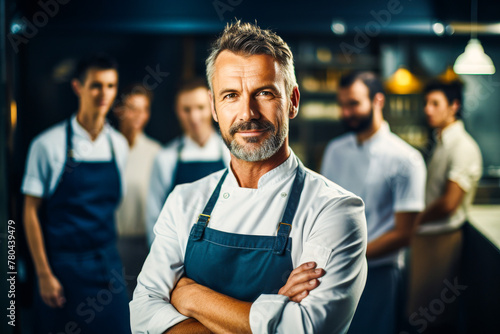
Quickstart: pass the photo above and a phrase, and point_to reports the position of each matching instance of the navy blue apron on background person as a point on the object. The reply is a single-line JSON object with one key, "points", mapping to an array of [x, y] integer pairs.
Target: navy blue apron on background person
{"points": [[80, 239], [190, 171], [242, 266]]}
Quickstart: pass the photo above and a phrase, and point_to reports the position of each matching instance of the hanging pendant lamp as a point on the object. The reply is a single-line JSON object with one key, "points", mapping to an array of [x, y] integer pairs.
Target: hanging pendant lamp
{"points": [[474, 60]]}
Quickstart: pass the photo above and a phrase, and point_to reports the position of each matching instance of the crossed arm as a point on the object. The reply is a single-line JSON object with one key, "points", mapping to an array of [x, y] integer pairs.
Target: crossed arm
{"points": [[394, 239], [443, 206], [164, 300], [210, 311]]}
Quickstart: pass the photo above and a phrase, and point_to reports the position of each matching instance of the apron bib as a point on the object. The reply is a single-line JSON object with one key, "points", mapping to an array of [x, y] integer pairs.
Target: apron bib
{"points": [[238, 265], [190, 171]]}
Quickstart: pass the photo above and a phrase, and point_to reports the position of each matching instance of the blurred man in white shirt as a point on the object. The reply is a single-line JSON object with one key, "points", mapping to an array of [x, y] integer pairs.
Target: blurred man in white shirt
{"points": [[389, 175], [133, 112], [454, 170]]}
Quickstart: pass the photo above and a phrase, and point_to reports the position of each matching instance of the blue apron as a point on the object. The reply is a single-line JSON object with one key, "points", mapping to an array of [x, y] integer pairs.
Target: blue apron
{"points": [[237, 265], [383, 284], [79, 233], [190, 171]]}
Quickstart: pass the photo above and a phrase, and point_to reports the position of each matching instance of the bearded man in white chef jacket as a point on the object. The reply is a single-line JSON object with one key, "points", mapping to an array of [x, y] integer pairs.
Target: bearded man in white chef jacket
{"points": [[266, 245]]}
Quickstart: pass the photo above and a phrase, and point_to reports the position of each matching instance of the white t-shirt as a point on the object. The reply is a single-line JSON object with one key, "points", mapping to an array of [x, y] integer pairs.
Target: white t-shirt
{"points": [[47, 155], [329, 228], [457, 158], [386, 172], [131, 214]]}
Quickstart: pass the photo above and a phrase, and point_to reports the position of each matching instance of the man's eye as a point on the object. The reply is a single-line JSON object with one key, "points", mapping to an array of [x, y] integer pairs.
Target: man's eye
{"points": [[265, 93], [230, 96]]}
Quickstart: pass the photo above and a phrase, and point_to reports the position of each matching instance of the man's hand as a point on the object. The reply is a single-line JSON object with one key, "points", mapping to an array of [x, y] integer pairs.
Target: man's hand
{"points": [[51, 290], [302, 279]]}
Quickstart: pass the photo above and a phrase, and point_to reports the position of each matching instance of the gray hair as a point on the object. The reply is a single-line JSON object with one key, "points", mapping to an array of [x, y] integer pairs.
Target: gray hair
{"points": [[249, 39]]}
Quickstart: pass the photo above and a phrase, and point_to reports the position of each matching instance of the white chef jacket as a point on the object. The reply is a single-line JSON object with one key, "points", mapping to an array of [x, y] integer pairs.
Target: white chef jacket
{"points": [[131, 214], [457, 158], [387, 173], [162, 175], [47, 155], [329, 228]]}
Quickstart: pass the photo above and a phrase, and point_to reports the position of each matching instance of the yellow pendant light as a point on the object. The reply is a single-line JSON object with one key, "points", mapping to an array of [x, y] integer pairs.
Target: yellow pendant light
{"points": [[403, 82], [449, 75]]}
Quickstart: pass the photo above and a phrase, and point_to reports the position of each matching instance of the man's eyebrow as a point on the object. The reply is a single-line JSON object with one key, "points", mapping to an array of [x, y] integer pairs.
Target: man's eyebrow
{"points": [[268, 87], [226, 90], [258, 89]]}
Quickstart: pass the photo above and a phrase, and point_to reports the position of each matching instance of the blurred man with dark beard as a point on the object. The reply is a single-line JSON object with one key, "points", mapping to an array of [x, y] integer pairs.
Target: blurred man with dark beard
{"points": [[389, 175]]}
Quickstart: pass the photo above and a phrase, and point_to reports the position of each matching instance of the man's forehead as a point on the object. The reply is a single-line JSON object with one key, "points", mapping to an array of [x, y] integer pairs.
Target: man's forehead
{"points": [[435, 94], [96, 73], [193, 97], [356, 90], [232, 68], [228, 61]]}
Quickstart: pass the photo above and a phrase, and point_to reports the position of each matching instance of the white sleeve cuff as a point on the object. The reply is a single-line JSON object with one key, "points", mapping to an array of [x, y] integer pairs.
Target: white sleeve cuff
{"points": [[265, 313], [165, 318], [32, 186], [461, 179], [409, 206]]}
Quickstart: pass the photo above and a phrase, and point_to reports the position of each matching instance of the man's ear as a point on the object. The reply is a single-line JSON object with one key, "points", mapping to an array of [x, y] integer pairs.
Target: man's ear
{"points": [[212, 106], [294, 103], [76, 86], [379, 100], [118, 111], [455, 106]]}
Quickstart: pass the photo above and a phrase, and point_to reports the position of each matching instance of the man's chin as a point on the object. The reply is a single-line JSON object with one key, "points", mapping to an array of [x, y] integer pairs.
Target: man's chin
{"points": [[102, 110], [351, 127]]}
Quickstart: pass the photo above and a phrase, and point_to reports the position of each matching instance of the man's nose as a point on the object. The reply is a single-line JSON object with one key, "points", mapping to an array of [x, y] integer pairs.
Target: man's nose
{"points": [[345, 112], [249, 109], [427, 110]]}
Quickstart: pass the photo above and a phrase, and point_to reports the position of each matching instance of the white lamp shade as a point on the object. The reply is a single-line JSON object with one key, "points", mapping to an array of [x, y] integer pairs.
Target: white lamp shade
{"points": [[474, 60]]}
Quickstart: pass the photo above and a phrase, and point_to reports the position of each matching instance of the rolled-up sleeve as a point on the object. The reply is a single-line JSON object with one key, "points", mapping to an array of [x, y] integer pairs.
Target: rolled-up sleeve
{"points": [[38, 172], [408, 185], [150, 309], [337, 240], [465, 165]]}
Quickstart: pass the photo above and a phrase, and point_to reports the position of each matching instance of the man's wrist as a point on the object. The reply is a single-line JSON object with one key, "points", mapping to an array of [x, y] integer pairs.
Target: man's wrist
{"points": [[45, 273], [190, 295]]}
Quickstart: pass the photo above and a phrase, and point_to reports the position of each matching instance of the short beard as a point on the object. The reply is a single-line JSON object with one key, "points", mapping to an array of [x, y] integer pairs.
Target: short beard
{"points": [[265, 151], [363, 123]]}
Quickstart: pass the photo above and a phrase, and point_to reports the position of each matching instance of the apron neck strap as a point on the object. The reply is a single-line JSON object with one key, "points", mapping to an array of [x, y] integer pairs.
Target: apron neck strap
{"points": [[70, 153], [285, 226], [179, 148], [69, 143], [204, 218]]}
